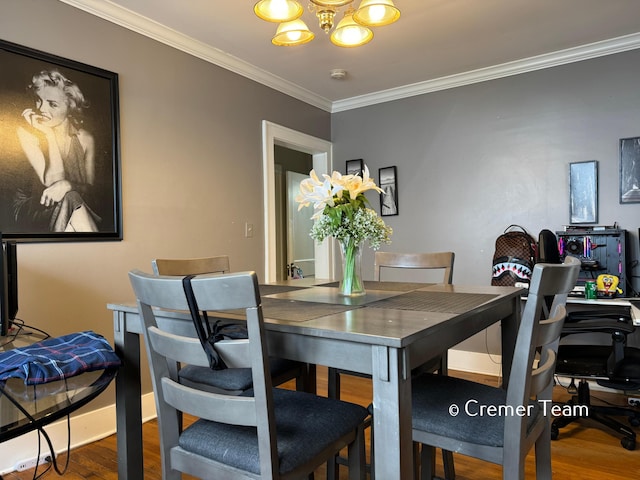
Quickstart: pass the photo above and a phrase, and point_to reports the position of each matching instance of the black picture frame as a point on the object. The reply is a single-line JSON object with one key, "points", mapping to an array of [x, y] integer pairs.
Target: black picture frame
{"points": [[355, 167], [72, 195], [630, 170], [583, 192], [388, 182]]}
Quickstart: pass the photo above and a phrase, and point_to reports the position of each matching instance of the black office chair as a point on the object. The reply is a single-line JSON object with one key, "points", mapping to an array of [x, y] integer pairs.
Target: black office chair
{"points": [[615, 366]]}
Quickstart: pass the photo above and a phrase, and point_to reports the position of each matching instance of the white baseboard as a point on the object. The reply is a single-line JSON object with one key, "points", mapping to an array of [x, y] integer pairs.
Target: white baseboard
{"points": [[85, 428], [475, 362]]}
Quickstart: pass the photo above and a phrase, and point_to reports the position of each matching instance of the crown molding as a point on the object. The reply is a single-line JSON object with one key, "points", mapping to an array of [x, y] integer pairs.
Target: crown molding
{"points": [[123, 17], [132, 21], [540, 62]]}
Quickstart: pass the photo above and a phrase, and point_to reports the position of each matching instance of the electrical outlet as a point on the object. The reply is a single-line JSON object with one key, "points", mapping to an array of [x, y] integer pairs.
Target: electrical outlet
{"points": [[31, 463], [634, 401]]}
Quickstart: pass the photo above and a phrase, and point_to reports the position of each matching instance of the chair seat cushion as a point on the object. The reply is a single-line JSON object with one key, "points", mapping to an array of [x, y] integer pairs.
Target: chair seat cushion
{"points": [[306, 424], [464, 410], [233, 379]]}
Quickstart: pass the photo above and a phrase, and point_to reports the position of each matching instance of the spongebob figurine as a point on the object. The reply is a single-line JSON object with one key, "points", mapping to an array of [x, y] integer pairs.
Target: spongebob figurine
{"points": [[607, 285]]}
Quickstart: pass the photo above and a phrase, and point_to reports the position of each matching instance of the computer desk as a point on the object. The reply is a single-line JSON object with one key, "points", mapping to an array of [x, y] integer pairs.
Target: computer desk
{"points": [[634, 303]]}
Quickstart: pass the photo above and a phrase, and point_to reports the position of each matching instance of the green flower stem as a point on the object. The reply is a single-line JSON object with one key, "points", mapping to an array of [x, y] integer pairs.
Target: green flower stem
{"points": [[351, 282]]}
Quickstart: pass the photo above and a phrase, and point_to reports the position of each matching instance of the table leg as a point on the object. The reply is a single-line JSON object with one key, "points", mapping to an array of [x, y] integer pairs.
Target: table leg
{"points": [[509, 331], [392, 414], [128, 404]]}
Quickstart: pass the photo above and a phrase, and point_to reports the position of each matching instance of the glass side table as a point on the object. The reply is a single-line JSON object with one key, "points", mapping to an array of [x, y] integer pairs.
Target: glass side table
{"points": [[24, 408]]}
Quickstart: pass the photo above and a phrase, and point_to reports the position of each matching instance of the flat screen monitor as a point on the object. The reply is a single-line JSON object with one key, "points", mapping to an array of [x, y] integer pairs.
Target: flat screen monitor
{"points": [[8, 285]]}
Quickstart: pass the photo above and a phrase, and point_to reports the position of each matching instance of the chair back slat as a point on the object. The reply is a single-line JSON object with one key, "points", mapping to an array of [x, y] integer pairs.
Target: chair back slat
{"points": [[231, 292], [542, 375], [178, 347], [551, 329], [191, 266], [210, 406], [427, 261]]}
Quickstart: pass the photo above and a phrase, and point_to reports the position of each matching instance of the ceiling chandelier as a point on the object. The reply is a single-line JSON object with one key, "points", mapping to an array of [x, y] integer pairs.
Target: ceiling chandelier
{"points": [[352, 31]]}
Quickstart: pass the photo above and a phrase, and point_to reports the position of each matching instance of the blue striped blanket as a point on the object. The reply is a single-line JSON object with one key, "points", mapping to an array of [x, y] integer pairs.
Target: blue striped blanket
{"points": [[58, 358]]}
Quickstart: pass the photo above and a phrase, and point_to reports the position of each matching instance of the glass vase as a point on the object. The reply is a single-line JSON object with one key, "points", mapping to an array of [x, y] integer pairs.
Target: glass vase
{"points": [[351, 284]]}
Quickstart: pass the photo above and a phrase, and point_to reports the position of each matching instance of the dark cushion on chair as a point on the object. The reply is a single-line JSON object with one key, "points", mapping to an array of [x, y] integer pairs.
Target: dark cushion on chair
{"points": [[306, 424], [233, 379], [433, 411]]}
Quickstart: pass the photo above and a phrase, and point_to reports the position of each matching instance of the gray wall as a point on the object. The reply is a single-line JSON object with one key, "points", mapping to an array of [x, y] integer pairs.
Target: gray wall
{"points": [[475, 159], [191, 165]]}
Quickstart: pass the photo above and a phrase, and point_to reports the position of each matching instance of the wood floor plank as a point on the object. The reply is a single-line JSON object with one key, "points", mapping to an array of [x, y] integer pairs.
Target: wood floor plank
{"points": [[584, 451]]}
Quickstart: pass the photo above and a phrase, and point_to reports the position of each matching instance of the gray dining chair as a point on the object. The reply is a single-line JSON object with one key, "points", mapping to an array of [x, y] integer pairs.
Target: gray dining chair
{"points": [[191, 266], [437, 261], [229, 380], [423, 261], [447, 410], [267, 433]]}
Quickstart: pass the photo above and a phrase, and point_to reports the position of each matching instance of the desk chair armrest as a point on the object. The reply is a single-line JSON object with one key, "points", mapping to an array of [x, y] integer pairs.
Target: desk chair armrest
{"points": [[602, 325]]}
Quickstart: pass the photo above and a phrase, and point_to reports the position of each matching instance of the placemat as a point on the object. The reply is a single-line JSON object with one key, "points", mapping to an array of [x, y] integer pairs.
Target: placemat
{"points": [[296, 311], [273, 289], [389, 286], [434, 301]]}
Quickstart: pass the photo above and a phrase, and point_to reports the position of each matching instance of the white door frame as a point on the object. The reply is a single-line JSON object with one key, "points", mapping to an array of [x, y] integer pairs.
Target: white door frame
{"points": [[321, 151]]}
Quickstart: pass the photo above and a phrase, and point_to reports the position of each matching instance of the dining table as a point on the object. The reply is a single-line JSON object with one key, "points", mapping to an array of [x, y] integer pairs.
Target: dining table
{"points": [[385, 333]]}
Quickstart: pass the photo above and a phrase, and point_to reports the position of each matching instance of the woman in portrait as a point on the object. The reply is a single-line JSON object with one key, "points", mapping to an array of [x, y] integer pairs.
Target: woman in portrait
{"points": [[61, 154]]}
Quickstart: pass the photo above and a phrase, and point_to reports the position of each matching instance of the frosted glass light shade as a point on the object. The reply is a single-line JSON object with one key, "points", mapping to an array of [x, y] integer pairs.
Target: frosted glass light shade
{"points": [[376, 13], [278, 10], [350, 34], [292, 33]]}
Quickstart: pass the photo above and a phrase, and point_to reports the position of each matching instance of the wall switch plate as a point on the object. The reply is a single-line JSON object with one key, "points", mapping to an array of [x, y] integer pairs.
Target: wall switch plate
{"points": [[248, 230]]}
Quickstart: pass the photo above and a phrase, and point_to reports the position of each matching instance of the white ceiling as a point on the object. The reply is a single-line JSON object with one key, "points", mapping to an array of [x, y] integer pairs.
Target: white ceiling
{"points": [[436, 44]]}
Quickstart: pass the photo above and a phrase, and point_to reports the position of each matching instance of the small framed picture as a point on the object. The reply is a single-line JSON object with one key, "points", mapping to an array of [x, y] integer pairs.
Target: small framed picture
{"points": [[583, 192], [389, 196], [630, 170], [355, 167]]}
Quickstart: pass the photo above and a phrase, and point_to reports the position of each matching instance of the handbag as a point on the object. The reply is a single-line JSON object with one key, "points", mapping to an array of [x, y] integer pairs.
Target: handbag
{"points": [[211, 333]]}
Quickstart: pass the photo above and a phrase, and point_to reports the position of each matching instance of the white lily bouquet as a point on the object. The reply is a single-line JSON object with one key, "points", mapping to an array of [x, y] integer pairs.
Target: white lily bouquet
{"points": [[340, 211]]}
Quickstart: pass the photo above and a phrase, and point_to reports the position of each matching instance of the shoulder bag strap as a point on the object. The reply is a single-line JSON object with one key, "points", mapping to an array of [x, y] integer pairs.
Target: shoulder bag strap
{"points": [[201, 324]]}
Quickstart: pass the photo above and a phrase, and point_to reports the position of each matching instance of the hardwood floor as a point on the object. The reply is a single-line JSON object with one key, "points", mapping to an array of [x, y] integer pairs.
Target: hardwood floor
{"points": [[581, 453]]}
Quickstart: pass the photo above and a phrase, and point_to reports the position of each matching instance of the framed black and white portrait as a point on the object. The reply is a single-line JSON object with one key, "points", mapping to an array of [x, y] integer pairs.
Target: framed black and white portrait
{"points": [[355, 167], [630, 170], [389, 196], [59, 145], [583, 192]]}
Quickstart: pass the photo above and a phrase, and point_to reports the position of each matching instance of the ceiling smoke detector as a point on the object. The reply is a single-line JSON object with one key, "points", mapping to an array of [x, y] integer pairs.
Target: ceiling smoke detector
{"points": [[338, 73]]}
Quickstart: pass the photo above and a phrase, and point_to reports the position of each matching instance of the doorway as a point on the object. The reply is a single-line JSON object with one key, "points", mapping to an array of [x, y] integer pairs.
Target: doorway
{"points": [[321, 152], [299, 253]]}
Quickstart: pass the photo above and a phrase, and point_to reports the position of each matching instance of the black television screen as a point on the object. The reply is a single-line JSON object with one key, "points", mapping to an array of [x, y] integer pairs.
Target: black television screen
{"points": [[8, 286]]}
